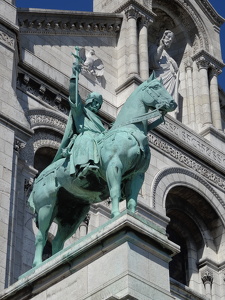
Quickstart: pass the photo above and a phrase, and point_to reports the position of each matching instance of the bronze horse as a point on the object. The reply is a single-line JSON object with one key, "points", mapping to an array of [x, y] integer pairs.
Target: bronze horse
{"points": [[124, 158]]}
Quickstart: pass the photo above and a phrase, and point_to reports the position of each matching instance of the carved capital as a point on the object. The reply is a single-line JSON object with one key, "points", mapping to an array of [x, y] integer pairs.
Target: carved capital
{"points": [[206, 60], [28, 184], [6, 39], [131, 12], [18, 144], [202, 63], [207, 277], [215, 71], [145, 21]]}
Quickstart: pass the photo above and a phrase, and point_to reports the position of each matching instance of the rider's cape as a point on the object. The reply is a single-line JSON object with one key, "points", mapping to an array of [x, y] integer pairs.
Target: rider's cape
{"points": [[71, 130]]}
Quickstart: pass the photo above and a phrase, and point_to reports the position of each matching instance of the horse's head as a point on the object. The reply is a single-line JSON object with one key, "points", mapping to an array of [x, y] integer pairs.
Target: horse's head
{"points": [[155, 95]]}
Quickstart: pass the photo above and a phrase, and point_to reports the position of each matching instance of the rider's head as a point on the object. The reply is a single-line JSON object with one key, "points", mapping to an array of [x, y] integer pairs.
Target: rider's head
{"points": [[94, 102]]}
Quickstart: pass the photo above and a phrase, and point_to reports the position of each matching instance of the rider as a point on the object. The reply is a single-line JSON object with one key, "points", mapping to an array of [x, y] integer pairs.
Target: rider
{"points": [[82, 128]]}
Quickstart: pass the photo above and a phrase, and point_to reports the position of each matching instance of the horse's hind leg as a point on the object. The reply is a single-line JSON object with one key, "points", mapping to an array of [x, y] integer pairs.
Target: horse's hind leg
{"points": [[113, 176], [65, 231], [45, 218], [132, 189]]}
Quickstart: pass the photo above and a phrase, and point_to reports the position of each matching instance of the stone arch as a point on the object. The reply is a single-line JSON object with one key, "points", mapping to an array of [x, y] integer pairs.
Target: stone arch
{"points": [[40, 139], [171, 177], [46, 118], [196, 217], [48, 127]]}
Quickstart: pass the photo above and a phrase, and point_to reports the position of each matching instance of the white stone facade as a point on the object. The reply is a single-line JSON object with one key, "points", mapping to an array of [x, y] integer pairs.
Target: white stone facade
{"points": [[184, 187]]}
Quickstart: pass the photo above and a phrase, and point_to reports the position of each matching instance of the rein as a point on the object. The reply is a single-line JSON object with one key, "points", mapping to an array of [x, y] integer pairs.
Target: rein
{"points": [[147, 116]]}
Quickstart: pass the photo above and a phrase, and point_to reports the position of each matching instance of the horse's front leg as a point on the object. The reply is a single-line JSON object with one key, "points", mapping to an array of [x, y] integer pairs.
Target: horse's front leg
{"points": [[45, 217], [132, 189], [113, 176]]}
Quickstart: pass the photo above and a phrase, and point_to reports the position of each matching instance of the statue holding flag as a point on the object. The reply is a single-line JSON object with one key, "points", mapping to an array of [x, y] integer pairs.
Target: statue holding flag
{"points": [[82, 128]]}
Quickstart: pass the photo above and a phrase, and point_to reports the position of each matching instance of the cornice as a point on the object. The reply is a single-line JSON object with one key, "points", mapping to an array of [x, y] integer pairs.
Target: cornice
{"points": [[138, 6], [204, 55], [193, 143], [211, 12], [51, 22]]}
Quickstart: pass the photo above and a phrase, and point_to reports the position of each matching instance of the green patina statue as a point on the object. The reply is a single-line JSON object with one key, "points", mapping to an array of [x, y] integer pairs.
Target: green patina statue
{"points": [[92, 163]]}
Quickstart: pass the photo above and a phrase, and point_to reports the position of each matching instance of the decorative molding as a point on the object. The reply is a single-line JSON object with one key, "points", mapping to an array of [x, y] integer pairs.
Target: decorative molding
{"points": [[183, 158], [47, 118], [7, 40], [39, 140], [187, 173], [193, 143], [72, 23], [193, 13], [211, 12], [44, 139], [43, 93]]}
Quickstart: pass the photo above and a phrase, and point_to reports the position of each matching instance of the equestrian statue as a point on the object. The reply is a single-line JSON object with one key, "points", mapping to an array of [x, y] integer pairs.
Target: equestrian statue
{"points": [[92, 163]]}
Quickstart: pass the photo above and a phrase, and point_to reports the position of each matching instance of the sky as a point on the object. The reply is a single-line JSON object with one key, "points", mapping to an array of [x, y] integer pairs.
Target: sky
{"points": [[87, 5]]}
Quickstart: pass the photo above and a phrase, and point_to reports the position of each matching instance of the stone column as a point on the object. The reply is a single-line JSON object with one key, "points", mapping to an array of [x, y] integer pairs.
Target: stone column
{"points": [[203, 65], [18, 145], [132, 45], [190, 93], [143, 48], [6, 169], [214, 97]]}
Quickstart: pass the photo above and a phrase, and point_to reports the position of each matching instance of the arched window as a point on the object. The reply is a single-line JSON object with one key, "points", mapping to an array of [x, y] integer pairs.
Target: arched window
{"points": [[192, 227], [43, 157]]}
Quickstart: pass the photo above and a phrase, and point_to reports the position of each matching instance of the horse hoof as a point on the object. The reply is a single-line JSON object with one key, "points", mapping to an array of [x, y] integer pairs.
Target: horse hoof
{"points": [[115, 214]]}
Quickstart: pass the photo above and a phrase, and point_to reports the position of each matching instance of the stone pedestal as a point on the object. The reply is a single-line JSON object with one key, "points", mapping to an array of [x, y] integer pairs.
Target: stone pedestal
{"points": [[127, 258]]}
